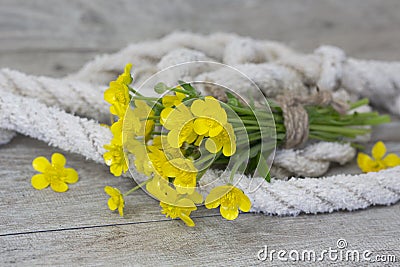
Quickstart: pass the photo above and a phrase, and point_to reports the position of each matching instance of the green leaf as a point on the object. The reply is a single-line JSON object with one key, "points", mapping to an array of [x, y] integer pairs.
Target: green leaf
{"points": [[188, 87], [161, 88], [232, 100], [268, 177], [263, 168]]}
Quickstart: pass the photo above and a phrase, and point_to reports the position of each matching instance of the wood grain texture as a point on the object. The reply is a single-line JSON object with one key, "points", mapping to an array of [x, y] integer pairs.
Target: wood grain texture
{"points": [[212, 242], [76, 228], [79, 29], [84, 205]]}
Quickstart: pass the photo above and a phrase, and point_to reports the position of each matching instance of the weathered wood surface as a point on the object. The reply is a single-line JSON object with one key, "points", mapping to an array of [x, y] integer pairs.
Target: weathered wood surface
{"points": [[57, 37]]}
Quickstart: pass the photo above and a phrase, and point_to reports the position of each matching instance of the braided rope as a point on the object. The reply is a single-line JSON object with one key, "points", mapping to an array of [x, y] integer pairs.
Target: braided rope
{"points": [[310, 195], [53, 126], [272, 66], [342, 192]]}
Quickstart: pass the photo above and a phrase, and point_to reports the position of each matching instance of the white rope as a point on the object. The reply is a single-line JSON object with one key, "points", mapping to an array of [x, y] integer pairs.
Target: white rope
{"points": [[271, 65], [74, 97], [6, 136], [310, 195], [53, 126], [86, 137], [38, 106]]}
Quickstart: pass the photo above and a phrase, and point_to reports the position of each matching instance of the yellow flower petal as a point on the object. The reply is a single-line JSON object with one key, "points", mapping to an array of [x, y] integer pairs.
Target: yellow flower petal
{"points": [[59, 186], [187, 220], [200, 126], [72, 176], [116, 129], [58, 160], [186, 203], [379, 150], [197, 107], [229, 213], [213, 204], [39, 181], [215, 129], [365, 162], [164, 114], [216, 194], [126, 78], [116, 169], [196, 197], [111, 191], [391, 160], [160, 189], [245, 203], [111, 204], [121, 209], [211, 146], [185, 187], [229, 149], [173, 138], [118, 110], [41, 164], [169, 100]]}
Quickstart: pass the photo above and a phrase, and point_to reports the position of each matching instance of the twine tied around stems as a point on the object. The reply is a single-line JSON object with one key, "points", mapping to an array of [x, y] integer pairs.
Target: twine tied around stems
{"points": [[295, 116]]}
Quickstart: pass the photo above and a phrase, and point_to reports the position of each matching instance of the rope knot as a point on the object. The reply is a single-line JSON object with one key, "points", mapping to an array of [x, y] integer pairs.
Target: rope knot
{"points": [[295, 116]]}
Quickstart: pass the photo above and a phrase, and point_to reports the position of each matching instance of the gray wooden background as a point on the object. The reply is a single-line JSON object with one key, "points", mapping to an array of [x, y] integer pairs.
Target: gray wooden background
{"points": [[76, 228]]}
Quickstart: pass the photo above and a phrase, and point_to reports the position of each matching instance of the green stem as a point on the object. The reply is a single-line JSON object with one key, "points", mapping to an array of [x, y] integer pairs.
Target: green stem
{"points": [[145, 98], [134, 91], [336, 129], [183, 91], [137, 187], [359, 103], [150, 118]]}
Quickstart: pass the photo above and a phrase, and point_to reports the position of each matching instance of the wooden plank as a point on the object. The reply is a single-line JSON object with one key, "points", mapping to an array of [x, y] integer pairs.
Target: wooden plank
{"points": [[73, 27], [48, 63], [212, 242], [25, 209]]}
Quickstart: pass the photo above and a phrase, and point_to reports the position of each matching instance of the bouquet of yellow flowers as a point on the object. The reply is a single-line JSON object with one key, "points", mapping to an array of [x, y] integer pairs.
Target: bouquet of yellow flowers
{"points": [[174, 139]]}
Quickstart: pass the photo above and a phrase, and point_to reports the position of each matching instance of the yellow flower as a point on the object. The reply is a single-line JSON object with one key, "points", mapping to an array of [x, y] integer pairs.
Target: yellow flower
{"points": [[180, 209], [378, 162], [115, 157], [118, 109], [158, 159], [231, 200], [117, 93], [173, 204], [184, 172], [53, 174], [173, 100], [116, 200], [225, 140], [177, 136], [160, 189], [126, 78], [211, 116], [116, 129], [180, 123]]}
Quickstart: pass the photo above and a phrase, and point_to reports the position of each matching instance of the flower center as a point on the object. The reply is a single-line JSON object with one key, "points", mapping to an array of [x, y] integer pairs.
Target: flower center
{"points": [[120, 96], [229, 199]]}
